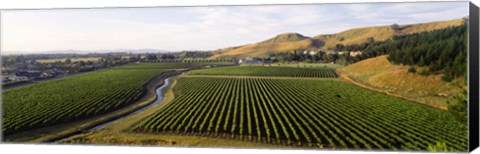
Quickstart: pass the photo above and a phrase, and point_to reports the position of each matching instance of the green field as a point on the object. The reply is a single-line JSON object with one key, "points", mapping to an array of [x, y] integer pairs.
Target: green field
{"points": [[268, 71], [301, 112], [92, 59], [171, 65], [309, 65], [71, 98]]}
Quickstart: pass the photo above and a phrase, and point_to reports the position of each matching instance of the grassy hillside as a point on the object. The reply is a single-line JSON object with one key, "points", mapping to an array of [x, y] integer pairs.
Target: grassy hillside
{"points": [[286, 37], [382, 33], [262, 49], [295, 41], [380, 74]]}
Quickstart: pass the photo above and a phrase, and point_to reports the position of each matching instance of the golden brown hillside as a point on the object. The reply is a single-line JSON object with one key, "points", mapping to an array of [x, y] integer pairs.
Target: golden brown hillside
{"points": [[382, 33], [378, 73], [295, 41], [261, 49], [286, 37]]}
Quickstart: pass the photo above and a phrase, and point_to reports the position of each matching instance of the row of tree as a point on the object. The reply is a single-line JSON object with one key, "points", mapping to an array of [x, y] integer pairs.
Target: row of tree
{"points": [[441, 51]]}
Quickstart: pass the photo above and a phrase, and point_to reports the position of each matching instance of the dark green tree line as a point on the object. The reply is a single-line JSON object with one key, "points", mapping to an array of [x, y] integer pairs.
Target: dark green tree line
{"points": [[441, 51]]}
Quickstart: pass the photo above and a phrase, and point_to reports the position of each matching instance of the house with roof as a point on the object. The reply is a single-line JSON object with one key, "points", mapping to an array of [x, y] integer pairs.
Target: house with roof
{"points": [[355, 53], [243, 61]]}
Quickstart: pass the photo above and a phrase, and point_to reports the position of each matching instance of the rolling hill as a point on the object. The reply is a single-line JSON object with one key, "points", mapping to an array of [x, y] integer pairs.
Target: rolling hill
{"points": [[381, 75], [295, 41], [281, 42], [286, 37]]}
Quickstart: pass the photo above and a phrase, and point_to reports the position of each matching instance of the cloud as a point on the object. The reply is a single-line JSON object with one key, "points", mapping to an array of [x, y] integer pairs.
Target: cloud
{"points": [[203, 28]]}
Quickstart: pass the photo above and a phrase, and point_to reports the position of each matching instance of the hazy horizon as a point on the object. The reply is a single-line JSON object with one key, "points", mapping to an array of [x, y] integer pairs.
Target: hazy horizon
{"points": [[200, 28]]}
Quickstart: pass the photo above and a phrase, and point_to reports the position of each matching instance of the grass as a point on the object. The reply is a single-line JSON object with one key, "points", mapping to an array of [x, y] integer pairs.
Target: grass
{"points": [[380, 74]]}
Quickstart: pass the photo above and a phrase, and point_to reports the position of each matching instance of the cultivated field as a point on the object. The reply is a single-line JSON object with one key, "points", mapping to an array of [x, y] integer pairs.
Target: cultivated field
{"points": [[268, 71], [301, 64], [92, 59], [301, 112], [250, 105], [71, 98], [172, 65]]}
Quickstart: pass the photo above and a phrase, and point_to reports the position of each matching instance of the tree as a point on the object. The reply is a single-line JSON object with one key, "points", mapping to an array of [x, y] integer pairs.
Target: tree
{"points": [[81, 62], [442, 51], [327, 58], [89, 63], [339, 47], [421, 62], [395, 27], [370, 40], [458, 104], [68, 61], [412, 70], [151, 57]]}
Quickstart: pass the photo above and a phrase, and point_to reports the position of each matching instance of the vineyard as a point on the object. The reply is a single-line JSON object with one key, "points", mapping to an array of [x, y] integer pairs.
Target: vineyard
{"points": [[172, 65], [71, 98], [268, 71], [299, 112], [194, 60]]}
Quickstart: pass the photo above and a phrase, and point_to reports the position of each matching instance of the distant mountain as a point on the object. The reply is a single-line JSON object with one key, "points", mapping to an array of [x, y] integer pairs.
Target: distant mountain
{"points": [[281, 42], [286, 37], [295, 41], [70, 51]]}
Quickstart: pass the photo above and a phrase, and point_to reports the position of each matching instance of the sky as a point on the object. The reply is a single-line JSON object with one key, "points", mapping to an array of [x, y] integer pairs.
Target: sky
{"points": [[200, 28]]}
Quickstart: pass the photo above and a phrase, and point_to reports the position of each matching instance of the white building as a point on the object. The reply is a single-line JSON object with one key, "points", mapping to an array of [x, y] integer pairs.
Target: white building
{"points": [[355, 53], [19, 78]]}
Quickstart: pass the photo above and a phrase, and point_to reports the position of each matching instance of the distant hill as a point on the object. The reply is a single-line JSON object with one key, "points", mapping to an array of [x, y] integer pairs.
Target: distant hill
{"points": [[262, 48], [71, 51], [281, 42], [286, 37], [382, 75], [295, 41], [382, 33]]}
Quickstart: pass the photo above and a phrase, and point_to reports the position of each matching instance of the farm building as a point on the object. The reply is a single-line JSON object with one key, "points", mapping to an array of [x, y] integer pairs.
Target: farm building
{"points": [[310, 52], [355, 53], [5, 79], [19, 78], [28, 73], [243, 61]]}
